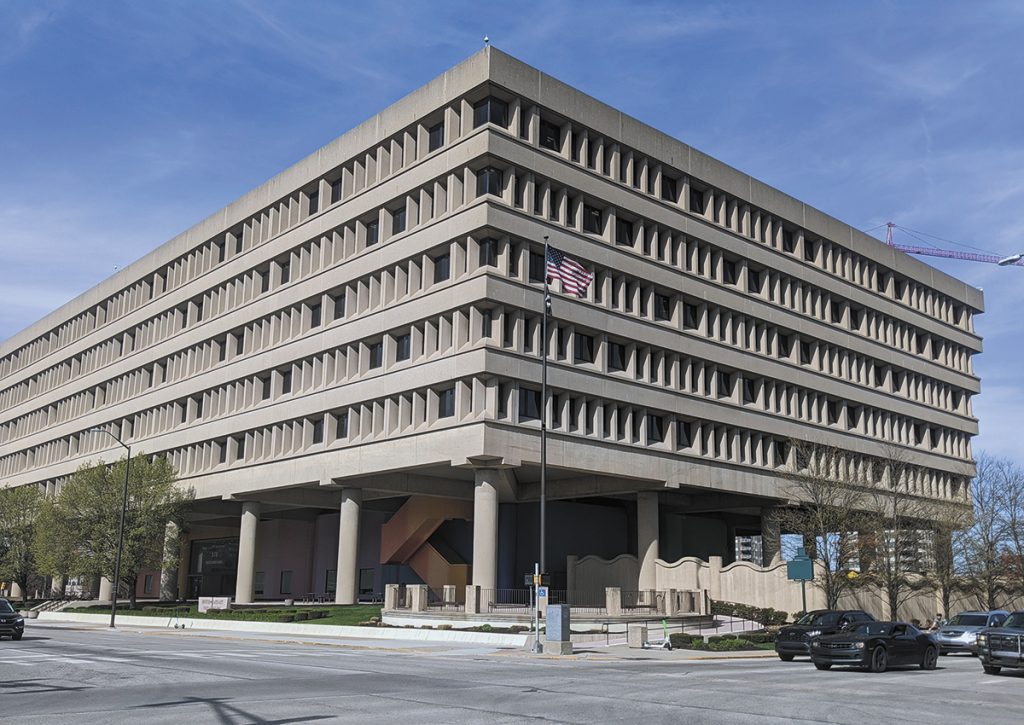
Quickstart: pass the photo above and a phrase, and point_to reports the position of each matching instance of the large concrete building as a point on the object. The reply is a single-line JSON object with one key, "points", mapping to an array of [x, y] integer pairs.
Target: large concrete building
{"points": [[344, 363]]}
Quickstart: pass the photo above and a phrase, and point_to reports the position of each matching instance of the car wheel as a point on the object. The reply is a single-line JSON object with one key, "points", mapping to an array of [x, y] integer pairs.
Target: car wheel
{"points": [[990, 670], [879, 660], [786, 658], [930, 659], [823, 665]]}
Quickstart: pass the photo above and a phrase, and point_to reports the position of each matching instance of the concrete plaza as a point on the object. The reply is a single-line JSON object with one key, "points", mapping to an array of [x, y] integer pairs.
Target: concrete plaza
{"points": [[81, 674]]}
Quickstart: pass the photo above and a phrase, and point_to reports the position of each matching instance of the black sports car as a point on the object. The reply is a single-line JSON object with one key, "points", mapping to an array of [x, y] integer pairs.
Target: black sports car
{"points": [[876, 646], [795, 639]]}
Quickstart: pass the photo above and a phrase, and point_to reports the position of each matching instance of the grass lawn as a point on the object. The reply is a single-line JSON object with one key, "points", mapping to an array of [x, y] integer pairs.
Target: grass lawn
{"points": [[337, 615]]}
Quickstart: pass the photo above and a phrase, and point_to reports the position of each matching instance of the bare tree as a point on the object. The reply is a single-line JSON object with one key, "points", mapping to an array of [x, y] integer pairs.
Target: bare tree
{"points": [[1009, 481], [980, 548], [826, 487], [900, 519], [948, 521]]}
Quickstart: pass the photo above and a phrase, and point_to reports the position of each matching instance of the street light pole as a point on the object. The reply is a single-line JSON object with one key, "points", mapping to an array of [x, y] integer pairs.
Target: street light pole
{"points": [[120, 527]]}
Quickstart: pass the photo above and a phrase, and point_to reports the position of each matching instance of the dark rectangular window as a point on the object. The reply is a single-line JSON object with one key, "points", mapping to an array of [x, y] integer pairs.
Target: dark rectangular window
{"points": [[286, 382], [748, 391], [808, 250], [315, 315], [529, 404], [442, 267], [199, 311], [836, 312], [785, 345], [696, 201], [486, 322], [314, 203], [513, 260], [490, 110], [668, 189], [342, 425], [336, 191], [538, 198], [488, 252], [436, 139], [403, 347], [221, 248], [729, 271], [286, 273], [781, 452], [805, 352], [684, 433], [264, 281], [690, 316], [655, 428], [788, 245], [489, 181], [616, 356], [527, 334], [318, 431], [286, 582], [550, 135], [536, 266], [624, 232], [662, 307], [574, 149], [376, 355], [753, 280], [239, 342], [832, 410], [583, 348], [502, 400], [339, 306], [561, 343], [372, 233], [446, 403], [265, 392], [724, 384], [239, 448], [591, 219], [517, 190], [398, 221], [507, 329]]}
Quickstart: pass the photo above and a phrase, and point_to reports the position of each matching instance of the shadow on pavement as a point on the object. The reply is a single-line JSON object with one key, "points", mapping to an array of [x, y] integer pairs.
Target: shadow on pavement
{"points": [[228, 714], [34, 687]]}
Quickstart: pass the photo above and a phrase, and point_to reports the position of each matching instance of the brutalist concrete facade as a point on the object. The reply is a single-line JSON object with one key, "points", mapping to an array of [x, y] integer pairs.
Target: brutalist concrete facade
{"points": [[362, 332]]}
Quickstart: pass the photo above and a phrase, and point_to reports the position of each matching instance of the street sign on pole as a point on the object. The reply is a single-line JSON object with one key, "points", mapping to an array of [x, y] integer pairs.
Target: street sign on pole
{"points": [[801, 568]]}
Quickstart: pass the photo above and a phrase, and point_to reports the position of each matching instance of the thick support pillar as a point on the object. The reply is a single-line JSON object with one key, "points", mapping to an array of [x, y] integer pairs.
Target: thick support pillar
{"points": [[169, 571], [647, 538], [347, 588], [106, 590], [771, 535], [247, 552], [485, 529]]}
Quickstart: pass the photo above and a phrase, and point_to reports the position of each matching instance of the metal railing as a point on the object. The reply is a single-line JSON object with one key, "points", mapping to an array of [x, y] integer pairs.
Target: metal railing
{"points": [[403, 598], [580, 602], [644, 600], [438, 602], [511, 601]]}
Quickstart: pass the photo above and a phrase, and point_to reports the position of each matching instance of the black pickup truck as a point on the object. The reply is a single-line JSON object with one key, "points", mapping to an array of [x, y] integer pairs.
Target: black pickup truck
{"points": [[1002, 646]]}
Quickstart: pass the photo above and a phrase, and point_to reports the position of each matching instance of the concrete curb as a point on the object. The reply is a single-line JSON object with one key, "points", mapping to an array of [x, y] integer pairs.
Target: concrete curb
{"points": [[309, 630]]}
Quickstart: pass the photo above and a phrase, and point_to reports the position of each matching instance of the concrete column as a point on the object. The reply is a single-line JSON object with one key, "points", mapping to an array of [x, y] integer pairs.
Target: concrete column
{"points": [[106, 590], [613, 601], [647, 538], [347, 588], [771, 536], [485, 529], [169, 572], [418, 597], [247, 552]]}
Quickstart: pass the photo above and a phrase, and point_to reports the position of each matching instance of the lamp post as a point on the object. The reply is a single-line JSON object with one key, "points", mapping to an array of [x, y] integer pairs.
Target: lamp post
{"points": [[120, 528]]}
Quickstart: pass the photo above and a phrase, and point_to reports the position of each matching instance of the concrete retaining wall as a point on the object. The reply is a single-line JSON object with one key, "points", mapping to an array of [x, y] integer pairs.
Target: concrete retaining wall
{"points": [[308, 630]]}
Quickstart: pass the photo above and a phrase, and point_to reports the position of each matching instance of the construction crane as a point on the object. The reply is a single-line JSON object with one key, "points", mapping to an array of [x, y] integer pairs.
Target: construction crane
{"points": [[1014, 260]]}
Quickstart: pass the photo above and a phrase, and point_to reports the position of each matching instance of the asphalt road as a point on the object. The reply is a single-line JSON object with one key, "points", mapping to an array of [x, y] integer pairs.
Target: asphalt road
{"points": [[73, 674]]}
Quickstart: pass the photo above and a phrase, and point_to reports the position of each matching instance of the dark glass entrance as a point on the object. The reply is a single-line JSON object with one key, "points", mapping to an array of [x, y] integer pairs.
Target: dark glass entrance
{"points": [[212, 568]]}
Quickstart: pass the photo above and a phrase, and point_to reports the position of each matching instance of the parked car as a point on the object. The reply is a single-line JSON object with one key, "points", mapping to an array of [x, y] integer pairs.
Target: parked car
{"points": [[1003, 646], [876, 646], [961, 632], [12, 624], [795, 639]]}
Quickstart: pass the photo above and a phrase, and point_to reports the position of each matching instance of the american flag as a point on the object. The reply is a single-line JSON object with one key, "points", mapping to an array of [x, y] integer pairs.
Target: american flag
{"points": [[575, 279]]}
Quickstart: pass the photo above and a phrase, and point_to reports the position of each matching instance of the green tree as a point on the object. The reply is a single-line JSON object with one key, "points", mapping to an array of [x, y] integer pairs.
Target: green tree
{"points": [[81, 530], [20, 510]]}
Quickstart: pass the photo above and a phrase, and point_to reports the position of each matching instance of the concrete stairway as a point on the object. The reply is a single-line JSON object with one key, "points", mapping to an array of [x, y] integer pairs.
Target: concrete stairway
{"points": [[405, 539]]}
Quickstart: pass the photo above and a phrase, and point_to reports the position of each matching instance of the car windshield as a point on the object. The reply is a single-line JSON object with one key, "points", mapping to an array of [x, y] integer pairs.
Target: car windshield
{"points": [[5, 607], [1014, 620], [821, 619], [969, 620], [873, 629]]}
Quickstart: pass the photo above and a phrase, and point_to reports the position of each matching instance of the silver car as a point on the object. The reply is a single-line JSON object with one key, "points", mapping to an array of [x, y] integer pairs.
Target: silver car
{"points": [[960, 634]]}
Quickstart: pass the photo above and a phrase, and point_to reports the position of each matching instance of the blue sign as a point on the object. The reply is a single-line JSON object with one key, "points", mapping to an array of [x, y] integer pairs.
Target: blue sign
{"points": [[542, 591], [800, 567]]}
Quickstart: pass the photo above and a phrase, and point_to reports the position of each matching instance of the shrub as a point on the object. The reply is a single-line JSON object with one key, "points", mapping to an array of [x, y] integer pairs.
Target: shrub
{"points": [[286, 618], [727, 635], [485, 628], [728, 645], [301, 616], [444, 626], [680, 641]]}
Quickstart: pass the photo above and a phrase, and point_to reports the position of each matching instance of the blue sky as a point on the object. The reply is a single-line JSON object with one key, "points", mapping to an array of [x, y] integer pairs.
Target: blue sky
{"points": [[123, 123]]}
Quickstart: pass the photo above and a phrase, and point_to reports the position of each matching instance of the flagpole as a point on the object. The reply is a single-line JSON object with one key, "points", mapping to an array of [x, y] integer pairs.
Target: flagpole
{"points": [[544, 415]]}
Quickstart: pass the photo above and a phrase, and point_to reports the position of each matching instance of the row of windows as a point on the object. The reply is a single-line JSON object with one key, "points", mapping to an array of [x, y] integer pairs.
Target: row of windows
{"points": [[573, 141], [574, 210], [371, 293]]}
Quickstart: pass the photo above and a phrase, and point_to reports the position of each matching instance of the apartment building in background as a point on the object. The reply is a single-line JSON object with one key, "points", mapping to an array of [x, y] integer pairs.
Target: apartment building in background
{"points": [[344, 363]]}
